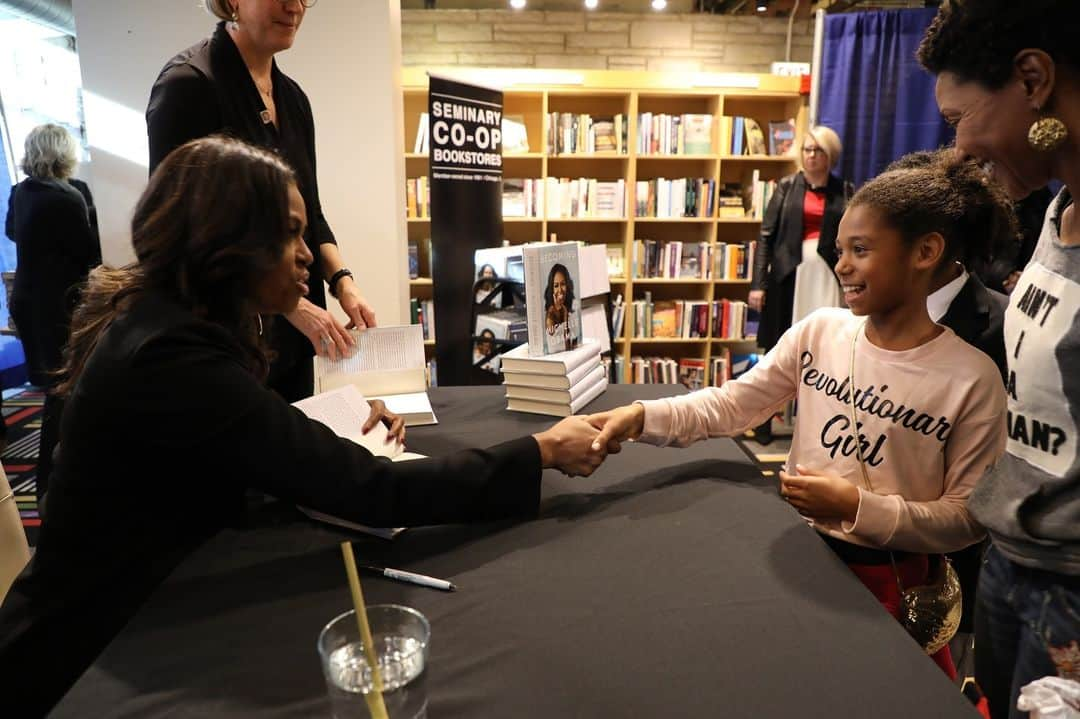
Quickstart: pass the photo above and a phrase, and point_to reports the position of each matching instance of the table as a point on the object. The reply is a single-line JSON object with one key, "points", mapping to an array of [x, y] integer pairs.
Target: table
{"points": [[672, 583]]}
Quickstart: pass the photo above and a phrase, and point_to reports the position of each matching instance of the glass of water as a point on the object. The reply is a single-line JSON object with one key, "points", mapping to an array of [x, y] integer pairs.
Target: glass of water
{"points": [[401, 637]]}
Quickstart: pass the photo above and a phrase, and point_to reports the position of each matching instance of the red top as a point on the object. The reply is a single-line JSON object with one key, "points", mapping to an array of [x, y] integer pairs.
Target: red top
{"points": [[812, 212]]}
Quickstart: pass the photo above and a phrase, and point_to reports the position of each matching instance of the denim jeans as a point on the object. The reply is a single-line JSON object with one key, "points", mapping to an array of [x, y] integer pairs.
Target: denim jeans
{"points": [[1027, 626]]}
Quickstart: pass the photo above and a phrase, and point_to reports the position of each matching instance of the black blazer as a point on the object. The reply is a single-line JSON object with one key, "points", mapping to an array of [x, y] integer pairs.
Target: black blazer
{"points": [[56, 246], [207, 89], [779, 249], [977, 316], [162, 435]]}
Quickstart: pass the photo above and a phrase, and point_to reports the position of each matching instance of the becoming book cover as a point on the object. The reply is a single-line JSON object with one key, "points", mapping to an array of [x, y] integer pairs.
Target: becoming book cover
{"points": [[552, 300]]}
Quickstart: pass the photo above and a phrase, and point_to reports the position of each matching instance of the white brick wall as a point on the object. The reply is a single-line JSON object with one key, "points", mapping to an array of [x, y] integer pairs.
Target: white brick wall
{"points": [[598, 40]]}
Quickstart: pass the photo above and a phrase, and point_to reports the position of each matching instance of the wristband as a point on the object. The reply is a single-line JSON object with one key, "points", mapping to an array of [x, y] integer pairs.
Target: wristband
{"points": [[336, 277]]}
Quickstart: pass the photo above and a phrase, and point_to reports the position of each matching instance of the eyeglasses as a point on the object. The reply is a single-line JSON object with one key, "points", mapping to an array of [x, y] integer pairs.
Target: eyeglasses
{"points": [[813, 151], [308, 4]]}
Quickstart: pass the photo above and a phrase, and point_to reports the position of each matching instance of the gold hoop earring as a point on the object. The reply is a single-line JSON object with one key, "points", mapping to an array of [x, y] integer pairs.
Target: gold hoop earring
{"points": [[1047, 134]]}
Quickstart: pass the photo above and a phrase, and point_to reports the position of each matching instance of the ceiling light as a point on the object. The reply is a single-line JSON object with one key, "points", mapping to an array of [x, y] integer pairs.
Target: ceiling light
{"points": [[659, 4], [762, 5], [591, 4], [517, 4]]}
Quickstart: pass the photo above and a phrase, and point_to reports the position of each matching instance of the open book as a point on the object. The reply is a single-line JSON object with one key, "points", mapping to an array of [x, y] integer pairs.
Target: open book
{"points": [[388, 365], [344, 410]]}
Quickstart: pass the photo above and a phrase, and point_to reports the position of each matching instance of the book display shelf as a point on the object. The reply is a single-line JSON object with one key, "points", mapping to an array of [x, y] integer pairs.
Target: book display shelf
{"points": [[682, 197]]}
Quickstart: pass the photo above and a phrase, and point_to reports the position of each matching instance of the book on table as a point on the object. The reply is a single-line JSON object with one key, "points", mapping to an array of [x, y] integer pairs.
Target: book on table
{"points": [[344, 411], [387, 364], [559, 363], [551, 381], [560, 409], [562, 396]]}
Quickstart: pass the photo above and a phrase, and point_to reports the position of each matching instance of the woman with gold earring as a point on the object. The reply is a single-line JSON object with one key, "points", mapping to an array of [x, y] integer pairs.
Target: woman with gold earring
{"points": [[1008, 79], [230, 83]]}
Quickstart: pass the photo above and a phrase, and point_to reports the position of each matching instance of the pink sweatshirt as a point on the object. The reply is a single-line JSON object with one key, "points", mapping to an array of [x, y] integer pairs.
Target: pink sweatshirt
{"points": [[932, 421]]}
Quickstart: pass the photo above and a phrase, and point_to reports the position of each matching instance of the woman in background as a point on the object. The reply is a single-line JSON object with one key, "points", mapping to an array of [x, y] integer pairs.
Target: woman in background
{"points": [[49, 220], [230, 83], [797, 250]]}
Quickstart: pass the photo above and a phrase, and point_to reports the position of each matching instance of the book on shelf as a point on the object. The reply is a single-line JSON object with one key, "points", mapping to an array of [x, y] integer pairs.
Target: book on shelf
{"points": [[515, 136], [616, 261], [683, 197], [414, 260], [692, 372], [734, 262], [552, 296], [571, 133], [422, 312], [584, 197], [618, 313], [421, 143], [559, 409], [782, 137], [417, 198], [558, 395], [698, 134], [523, 197], [521, 360], [755, 138], [553, 381], [720, 370], [673, 319], [653, 370], [387, 364], [671, 260]]}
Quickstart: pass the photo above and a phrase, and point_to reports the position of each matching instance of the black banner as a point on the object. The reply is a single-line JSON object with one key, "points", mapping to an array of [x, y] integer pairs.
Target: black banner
{"points": [[465, 171]]}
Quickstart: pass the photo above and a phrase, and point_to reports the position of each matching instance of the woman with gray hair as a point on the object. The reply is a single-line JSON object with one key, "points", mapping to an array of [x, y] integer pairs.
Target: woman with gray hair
{"points": [[796, 252], [49, 219]]}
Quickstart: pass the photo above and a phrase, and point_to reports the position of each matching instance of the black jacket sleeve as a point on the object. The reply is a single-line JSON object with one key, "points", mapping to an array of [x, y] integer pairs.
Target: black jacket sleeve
{"points": [[261, 441], [770, 230], [9, 220], [320, 228], [182, 107]]}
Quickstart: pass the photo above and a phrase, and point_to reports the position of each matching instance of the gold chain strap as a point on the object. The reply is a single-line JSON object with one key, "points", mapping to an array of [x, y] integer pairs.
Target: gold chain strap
{"points": [[858, 439]]}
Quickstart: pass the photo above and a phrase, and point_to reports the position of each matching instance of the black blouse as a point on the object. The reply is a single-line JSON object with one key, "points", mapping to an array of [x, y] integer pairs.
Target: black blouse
{"points": [[207, 89]]}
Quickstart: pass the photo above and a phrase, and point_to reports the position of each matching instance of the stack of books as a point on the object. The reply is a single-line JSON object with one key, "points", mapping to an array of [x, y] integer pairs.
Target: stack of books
{"points": [[558, 384]]}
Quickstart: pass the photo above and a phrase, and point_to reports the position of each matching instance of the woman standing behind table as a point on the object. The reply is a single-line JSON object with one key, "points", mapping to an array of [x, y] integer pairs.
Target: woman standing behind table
{"points": [[50, 222], [1008, 80], [797, 250], [230, 83]]}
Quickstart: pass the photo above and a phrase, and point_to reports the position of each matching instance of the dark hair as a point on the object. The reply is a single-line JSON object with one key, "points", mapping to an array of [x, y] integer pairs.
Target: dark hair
{"points": [[487, 334], [480, 272], [978, 39], [941, 192], [213, 220], [549, 291]]}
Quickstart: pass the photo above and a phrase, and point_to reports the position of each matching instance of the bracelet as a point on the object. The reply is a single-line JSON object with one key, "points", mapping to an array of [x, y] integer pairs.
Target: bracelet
{"points": [[336, 277]]}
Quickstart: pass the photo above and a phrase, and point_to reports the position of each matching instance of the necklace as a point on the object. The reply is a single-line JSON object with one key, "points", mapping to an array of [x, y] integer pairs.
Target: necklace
{"points": [[265, 91]]}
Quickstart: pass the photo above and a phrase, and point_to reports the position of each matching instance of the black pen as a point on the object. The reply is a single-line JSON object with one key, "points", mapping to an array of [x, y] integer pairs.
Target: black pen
{"points": [[411, 577]]}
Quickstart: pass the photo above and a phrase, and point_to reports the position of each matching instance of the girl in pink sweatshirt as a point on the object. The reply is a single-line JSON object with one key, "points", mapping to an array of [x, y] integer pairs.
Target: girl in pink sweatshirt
{"points": [[929, 407]]}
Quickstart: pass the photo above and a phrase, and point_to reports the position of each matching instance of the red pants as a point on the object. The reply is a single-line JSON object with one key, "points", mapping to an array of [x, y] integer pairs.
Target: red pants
{"points": [[881, 581]]}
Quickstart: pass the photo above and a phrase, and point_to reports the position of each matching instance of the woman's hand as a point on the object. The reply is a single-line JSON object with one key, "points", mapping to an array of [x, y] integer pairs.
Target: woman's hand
{"points": [[756, 300], [325, 333], [395, 425], [820, 496], [361, 315], [568, 446], [617, 426]]}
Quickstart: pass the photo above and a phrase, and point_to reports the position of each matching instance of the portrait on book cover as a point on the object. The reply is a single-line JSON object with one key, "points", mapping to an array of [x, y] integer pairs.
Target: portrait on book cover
{"points": [[562, 311]]}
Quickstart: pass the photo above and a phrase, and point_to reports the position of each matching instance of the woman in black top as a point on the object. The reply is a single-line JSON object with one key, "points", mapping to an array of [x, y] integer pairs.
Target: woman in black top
{"points": [[49, 220], [168, 421], [230, 84]]}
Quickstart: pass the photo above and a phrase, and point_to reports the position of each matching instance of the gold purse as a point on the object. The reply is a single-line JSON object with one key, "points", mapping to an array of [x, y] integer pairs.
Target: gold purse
{"points": [[929, 612]]}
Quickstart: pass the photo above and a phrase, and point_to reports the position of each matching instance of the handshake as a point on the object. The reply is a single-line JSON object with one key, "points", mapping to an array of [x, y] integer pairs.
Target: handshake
{"points": [[578, 445]]}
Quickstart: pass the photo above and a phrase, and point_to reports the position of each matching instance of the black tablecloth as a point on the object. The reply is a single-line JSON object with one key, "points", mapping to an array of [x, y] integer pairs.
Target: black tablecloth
{"points": [[672, 583]]}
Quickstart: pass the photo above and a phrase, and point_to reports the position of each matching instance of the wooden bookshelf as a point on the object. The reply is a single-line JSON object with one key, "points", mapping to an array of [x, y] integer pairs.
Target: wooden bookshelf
{"points": [[533, 94]]}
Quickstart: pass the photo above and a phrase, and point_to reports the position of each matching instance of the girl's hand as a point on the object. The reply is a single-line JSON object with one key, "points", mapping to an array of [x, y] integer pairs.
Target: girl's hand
{"points": [[395, 425], [756, 300], [324, 332], [820, 496]]}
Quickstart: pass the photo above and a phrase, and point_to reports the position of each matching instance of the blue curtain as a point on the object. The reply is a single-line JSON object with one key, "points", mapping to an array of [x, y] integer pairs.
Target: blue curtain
{"points": [[12, 361], [873, 92]]}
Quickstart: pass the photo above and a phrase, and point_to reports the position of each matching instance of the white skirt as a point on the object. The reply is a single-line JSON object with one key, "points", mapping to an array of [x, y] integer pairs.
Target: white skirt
{"points": [[815, 283]]}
